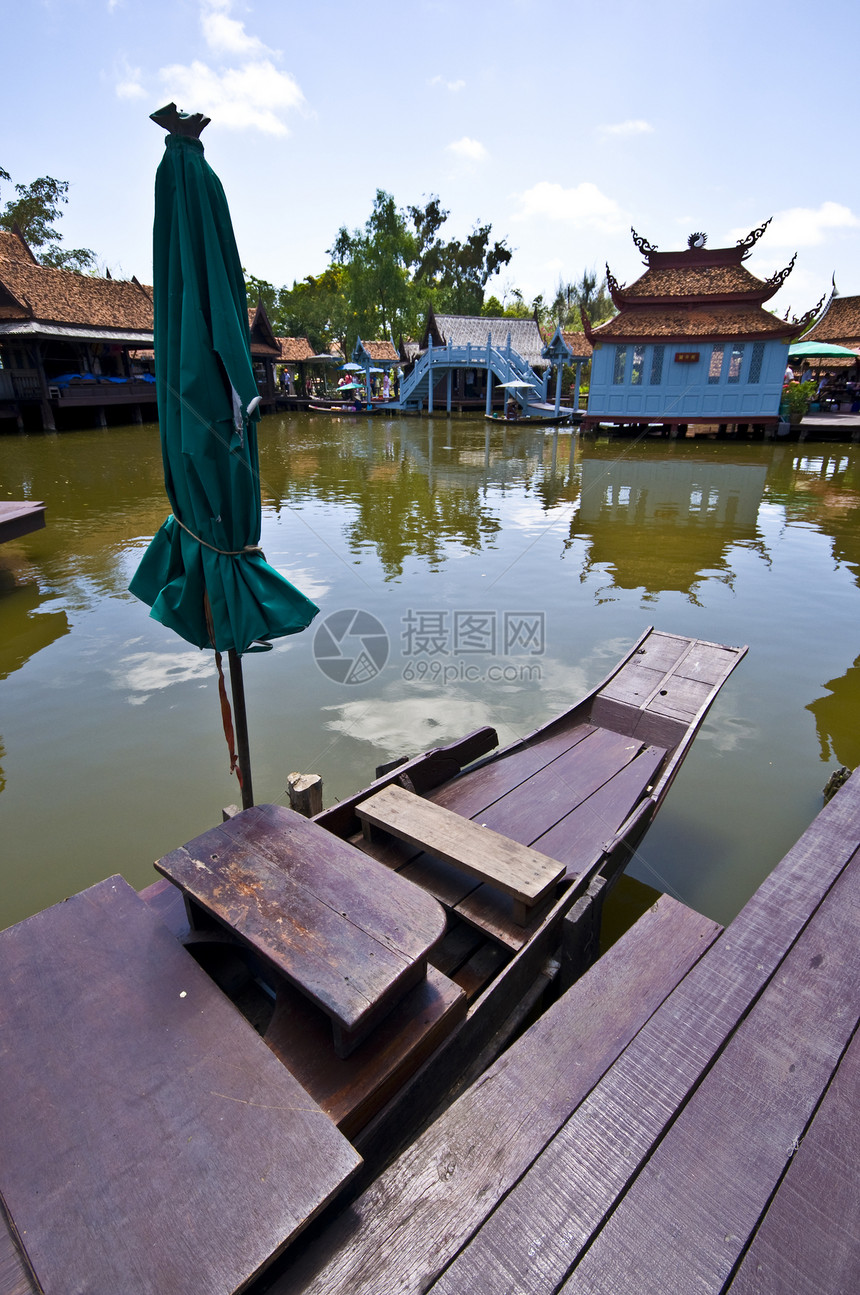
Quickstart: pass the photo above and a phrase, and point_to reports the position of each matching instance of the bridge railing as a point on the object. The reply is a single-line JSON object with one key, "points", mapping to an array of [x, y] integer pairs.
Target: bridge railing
{"points": [[505, 364]]}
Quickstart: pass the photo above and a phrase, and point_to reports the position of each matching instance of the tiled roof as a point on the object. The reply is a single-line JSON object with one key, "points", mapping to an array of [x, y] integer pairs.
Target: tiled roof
{"points": [[13, 248], [579, 344], [840, 323], [461, 330], [693, 281], [294, 349], [383, 351], [717, 322], [29, 291]]}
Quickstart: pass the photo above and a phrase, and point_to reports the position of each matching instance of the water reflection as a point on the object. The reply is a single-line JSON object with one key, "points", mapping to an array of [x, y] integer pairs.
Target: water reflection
{"points": [[111, 737]]}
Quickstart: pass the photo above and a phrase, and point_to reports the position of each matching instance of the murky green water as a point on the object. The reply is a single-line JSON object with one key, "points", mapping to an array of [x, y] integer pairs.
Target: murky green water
{"points": [[509, 569]]}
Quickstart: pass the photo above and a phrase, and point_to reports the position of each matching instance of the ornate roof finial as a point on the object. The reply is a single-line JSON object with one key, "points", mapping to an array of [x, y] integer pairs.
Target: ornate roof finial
{"points": [[776, 281], [752, 238], [697, 240], [833, 282], [644, 246], [612, 283], [190, 124], [805, 320]]}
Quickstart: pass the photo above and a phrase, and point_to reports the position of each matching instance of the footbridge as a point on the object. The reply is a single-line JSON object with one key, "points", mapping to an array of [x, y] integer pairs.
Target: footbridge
{"points": [[501, 364]]}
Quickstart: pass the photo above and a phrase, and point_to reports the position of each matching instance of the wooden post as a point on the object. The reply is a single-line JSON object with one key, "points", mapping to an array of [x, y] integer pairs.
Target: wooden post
{"points": [[305, 793], [489, 408], [450, 387], [430, 376], [558, 374], [240, 718]]}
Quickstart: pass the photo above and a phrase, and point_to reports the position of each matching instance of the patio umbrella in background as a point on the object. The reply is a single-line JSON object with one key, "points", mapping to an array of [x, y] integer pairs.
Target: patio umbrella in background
{"points": [[204, 574], [818, 350]]}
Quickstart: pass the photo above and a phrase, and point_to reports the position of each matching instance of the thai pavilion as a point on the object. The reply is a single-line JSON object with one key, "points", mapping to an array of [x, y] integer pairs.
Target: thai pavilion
{"points": [[692, 345]]}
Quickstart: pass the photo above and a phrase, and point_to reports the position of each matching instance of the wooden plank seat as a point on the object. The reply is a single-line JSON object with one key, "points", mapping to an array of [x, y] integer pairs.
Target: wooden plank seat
{"points": [[525, 874], [343, 929], [149, 1140]]}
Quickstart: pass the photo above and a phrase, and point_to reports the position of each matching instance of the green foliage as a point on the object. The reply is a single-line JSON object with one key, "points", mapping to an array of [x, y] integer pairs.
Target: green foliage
{"points": [[797, 398], [571, 299], [317, 308], [260, 290], [34, 212]]}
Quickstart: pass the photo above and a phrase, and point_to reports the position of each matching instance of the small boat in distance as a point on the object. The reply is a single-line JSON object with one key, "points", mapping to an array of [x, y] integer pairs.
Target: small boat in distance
{"points": [[536, 420]]}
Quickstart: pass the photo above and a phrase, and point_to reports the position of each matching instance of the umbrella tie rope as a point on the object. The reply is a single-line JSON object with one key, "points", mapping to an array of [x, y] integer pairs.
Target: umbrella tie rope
{"points": [[226, 553]]}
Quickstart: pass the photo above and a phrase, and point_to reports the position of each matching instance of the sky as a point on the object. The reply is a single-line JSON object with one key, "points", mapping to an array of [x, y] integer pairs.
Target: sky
{"points": [[560, 125]]}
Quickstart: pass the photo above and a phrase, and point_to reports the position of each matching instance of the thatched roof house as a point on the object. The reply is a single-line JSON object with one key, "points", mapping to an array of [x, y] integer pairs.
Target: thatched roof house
{"points": [[463, 330]]}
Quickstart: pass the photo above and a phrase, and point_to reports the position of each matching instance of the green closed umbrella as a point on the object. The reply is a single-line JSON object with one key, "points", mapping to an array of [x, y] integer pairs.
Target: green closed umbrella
{"points": [[204, 574]]}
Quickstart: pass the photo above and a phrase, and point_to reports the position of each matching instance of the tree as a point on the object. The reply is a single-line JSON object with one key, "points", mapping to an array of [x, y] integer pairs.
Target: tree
{"points": [[456, 272], [317, 308], [377, 261], [258, 290], [34, 212]]}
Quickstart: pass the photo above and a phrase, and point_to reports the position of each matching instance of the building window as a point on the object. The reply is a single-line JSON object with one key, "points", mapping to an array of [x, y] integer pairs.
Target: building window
{"points": [[620, 365], [735, 361], [657, 365], [716, 367], [638, 366], [756, 362]]}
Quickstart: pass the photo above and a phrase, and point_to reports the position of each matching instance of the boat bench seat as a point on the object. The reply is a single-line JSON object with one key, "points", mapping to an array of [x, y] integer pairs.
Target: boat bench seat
{"points": [[346, 931], [526, 875]]}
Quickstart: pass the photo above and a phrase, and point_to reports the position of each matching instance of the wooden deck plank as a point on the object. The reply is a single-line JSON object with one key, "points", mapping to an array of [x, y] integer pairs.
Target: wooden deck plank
{"points": [[118, 1052], [685, 1221], [20, 518], [297, 895], [809, 1240], [15, 1276], [657, 1072], [437, 1193], [516, 869]]}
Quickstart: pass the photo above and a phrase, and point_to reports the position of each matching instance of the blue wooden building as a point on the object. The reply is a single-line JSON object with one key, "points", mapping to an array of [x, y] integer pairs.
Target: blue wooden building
{"points": [[692, 345]]}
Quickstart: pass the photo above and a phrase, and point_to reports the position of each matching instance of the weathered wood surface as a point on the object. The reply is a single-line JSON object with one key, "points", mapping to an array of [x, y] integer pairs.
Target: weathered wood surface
{"points": [[149, 1140], [425, 771], [353, 1089], [15, 1275], [809, 1241], [339, 926], [525, 874], [20, 518], [435, 1196], [564, 1201], [684, 1222]]}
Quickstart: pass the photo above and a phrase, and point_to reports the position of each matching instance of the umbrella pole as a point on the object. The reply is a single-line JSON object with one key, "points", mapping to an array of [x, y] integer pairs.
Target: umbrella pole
{"points": [[237, 686]]}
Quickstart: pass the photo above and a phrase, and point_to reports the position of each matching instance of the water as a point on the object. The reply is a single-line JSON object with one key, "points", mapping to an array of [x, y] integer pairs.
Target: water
{"points": [[453, 534]]}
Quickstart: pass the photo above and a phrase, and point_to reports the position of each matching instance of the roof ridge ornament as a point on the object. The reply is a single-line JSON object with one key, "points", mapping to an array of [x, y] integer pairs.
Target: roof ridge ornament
{"points": [[752, 238], [775, 282], [612, 283], [697, 240], [805, 320], [189, 124], [644, 246]]}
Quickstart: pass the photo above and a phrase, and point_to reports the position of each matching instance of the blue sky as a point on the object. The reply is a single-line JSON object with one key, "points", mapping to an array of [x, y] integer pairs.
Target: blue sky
{"points": [[560, 124]]}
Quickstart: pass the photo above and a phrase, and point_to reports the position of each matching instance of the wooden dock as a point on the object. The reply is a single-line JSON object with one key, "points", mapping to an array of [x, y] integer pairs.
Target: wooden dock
{"points": [[19, 518], [683, 1119]]}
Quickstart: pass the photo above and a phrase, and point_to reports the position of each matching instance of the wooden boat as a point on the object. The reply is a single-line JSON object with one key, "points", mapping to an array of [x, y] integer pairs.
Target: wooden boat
{"points": [[345, 408], [579, 791], [384, 952]]}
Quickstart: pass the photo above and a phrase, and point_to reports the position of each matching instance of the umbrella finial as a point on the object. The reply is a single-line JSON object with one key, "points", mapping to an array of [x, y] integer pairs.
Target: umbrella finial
{"points": [[180, 123]]}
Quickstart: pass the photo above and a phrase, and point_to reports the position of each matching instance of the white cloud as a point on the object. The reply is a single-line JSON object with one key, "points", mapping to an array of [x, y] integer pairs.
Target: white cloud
{"points": [[580, 206], [251, 96], [470, 149], [805, 226], [453, 86], [634, 127], [143, 673], [129, 84], [226, 35]]}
